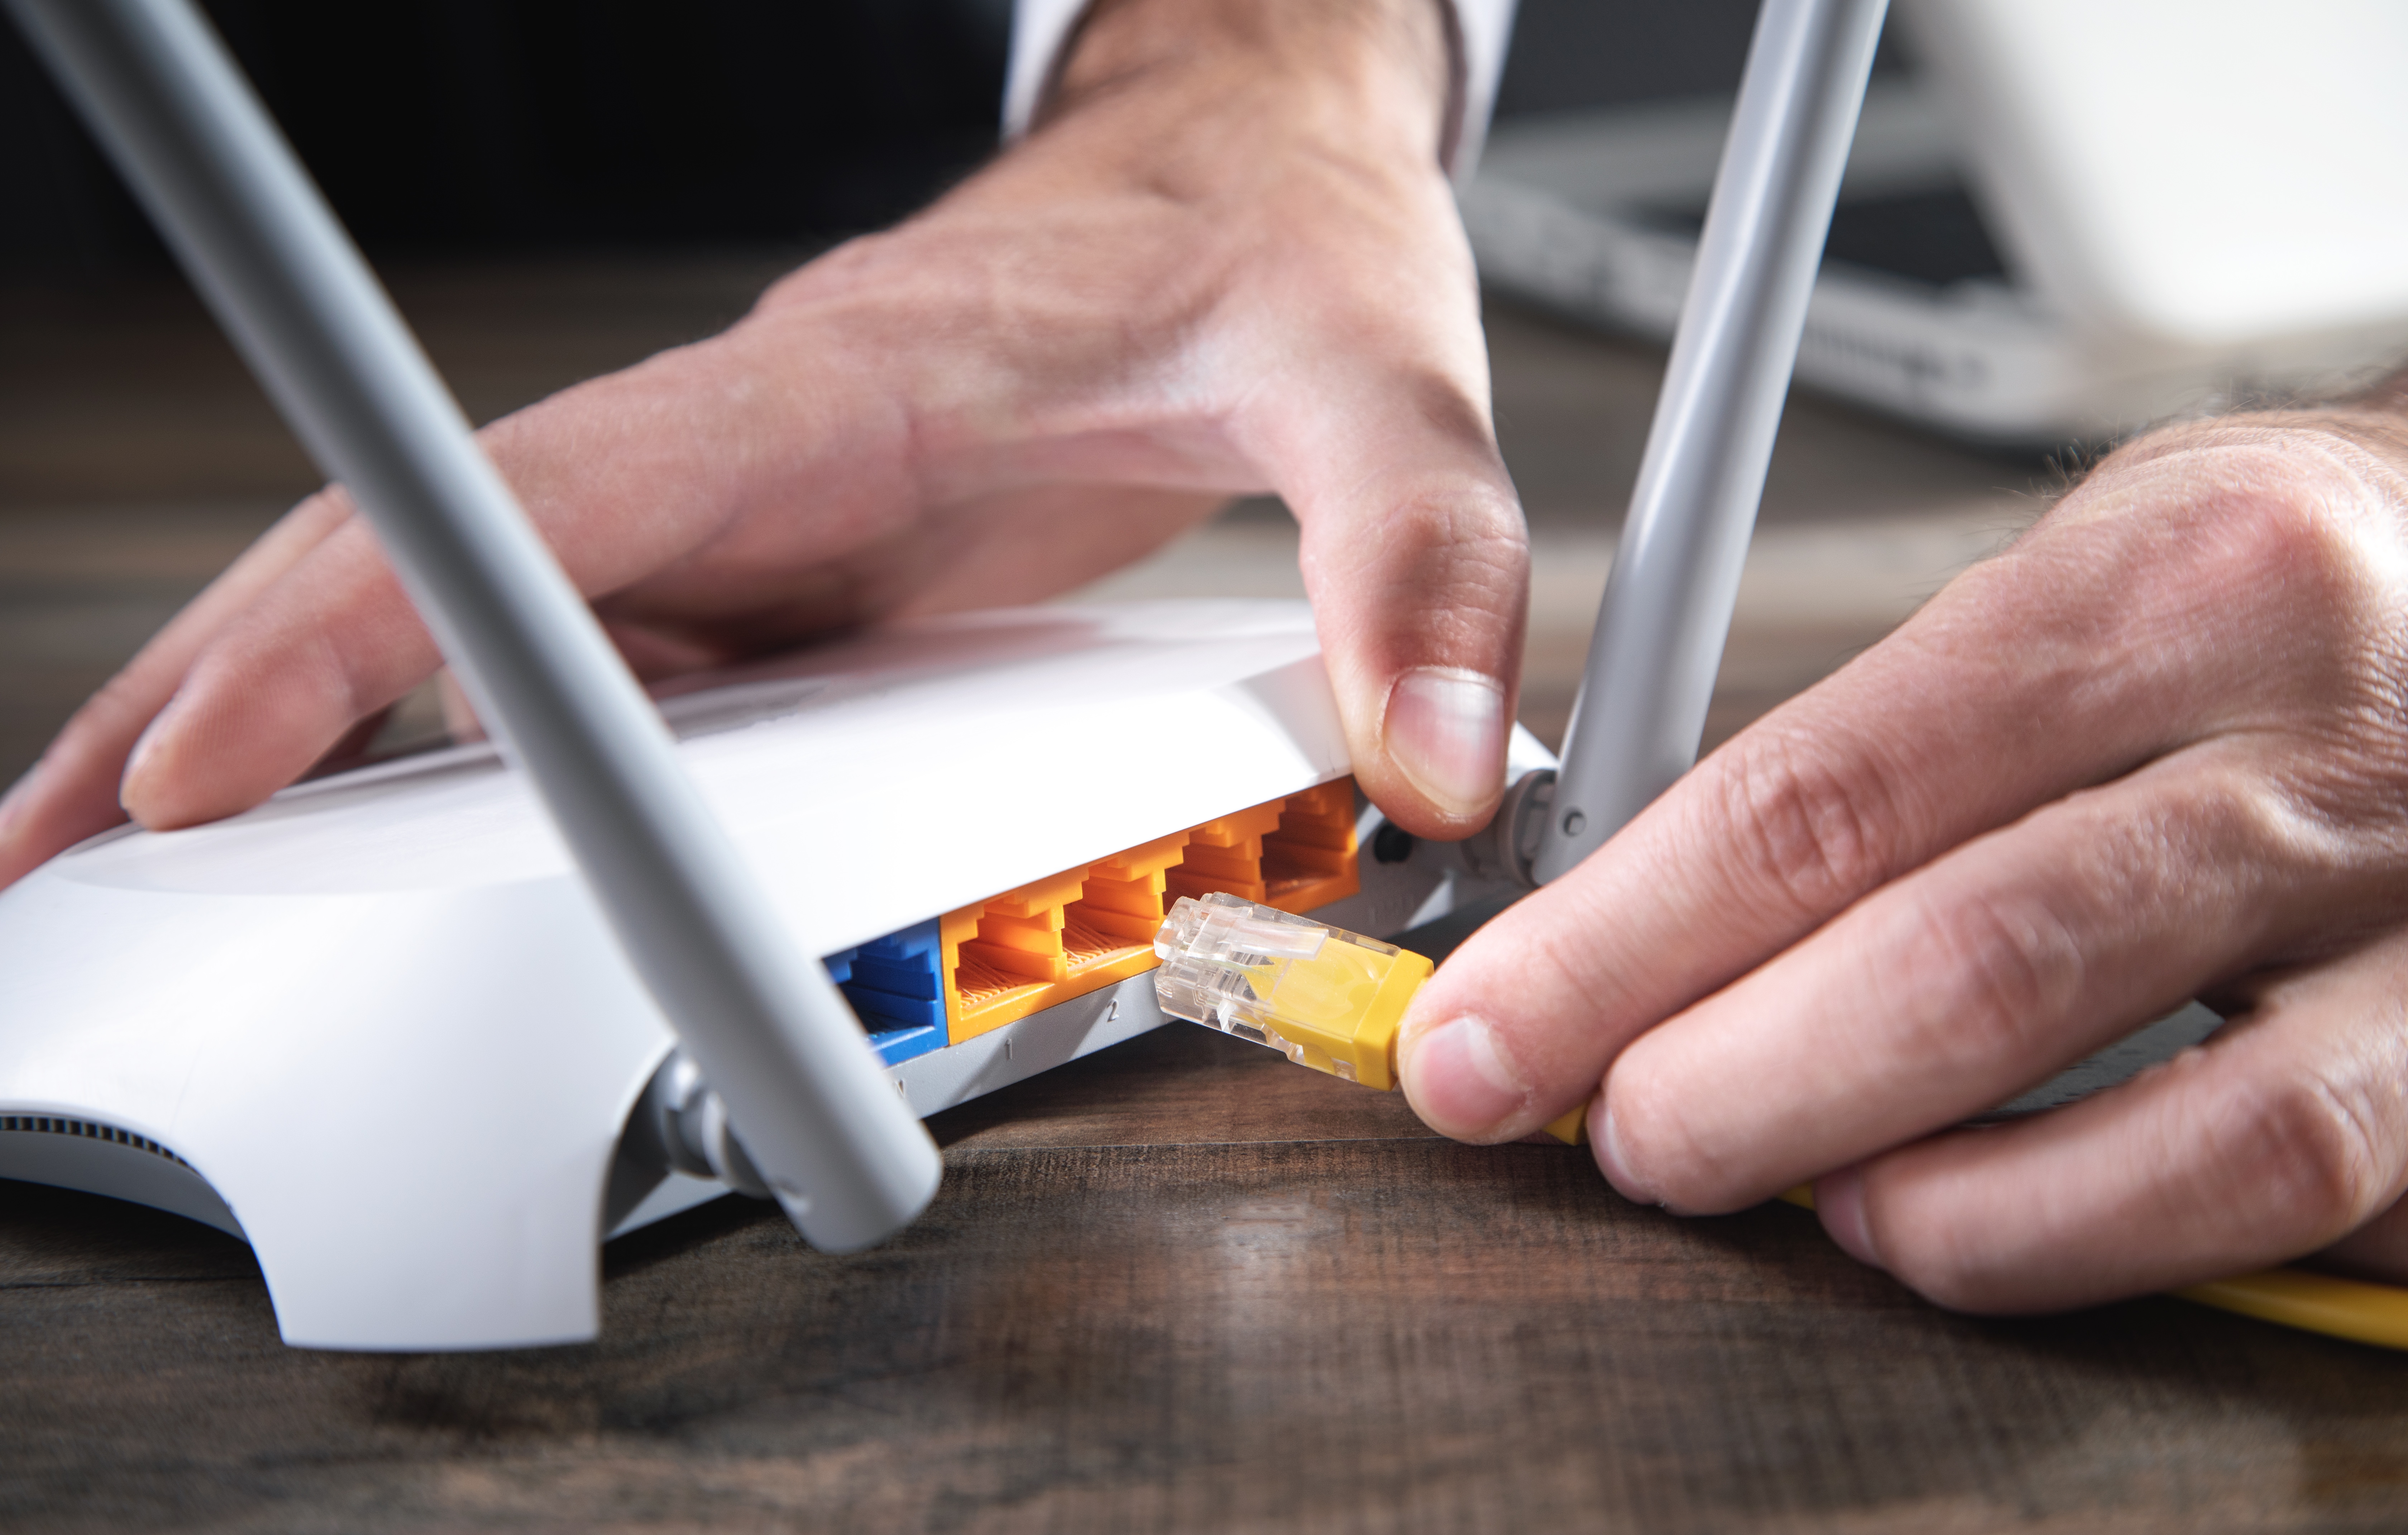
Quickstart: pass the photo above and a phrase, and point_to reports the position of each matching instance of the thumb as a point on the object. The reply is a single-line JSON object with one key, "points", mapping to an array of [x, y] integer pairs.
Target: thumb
{"points": [[1418, 564]]}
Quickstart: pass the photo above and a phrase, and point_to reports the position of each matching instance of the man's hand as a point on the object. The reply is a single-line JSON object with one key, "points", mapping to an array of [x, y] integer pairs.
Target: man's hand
{"points": [[1227, 262], [2156, 750]]}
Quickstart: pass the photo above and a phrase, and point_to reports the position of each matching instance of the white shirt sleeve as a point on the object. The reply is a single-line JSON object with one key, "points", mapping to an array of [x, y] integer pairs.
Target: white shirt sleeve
{"points": [[1039, 27]]}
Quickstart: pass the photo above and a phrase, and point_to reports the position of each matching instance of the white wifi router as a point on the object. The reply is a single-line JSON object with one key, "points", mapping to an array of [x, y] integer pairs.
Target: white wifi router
{"points": [[377, 1028]]}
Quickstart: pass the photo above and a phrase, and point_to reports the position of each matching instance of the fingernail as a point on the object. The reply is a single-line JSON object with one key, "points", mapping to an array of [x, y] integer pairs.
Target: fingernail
{"points": [[1614, 1165], [140, 761], [1461, 1085], [1840, 1199], [1446, 731]]}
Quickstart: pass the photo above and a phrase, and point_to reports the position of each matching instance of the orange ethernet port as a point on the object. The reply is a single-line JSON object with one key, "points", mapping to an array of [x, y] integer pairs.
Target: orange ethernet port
{"points": [[1086, 927]]}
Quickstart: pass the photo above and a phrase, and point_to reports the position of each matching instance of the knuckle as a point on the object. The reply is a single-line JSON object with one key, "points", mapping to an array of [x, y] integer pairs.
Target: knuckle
{"points": [[2007, 969], [2290, 517], [1452, 527], [2310, 1149], [1446, 402], [2293, 523], [1455, 558], [1813, 834], [2288, 532]]}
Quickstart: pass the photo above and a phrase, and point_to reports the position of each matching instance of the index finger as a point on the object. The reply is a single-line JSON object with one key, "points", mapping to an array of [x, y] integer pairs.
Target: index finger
{"points": [[72, 792], [2049, 668]]}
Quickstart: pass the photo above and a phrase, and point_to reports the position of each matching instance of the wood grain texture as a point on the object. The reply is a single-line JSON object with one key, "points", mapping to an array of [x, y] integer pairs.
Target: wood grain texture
{"points": [[1181, 1285]]}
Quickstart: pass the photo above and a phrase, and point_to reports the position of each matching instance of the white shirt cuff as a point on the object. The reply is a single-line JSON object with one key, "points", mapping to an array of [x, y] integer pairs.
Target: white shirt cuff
{"points": [[1039, 28]]}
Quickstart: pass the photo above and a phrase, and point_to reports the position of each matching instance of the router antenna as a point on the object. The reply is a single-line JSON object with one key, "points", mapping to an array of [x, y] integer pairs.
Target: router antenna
{"points": [[816, 1112], [1667, 612]]}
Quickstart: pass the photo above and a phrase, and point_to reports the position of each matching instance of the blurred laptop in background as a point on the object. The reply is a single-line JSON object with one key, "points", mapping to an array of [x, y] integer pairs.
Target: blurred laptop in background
{"points": [[2063, 219]]}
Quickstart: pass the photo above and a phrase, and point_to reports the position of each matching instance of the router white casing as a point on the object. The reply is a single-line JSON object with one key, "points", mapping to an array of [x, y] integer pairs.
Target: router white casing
{"points": [[377, 1028]]}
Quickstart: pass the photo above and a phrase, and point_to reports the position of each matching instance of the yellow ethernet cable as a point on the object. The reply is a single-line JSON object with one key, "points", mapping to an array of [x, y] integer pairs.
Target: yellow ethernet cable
{"points": [[1321, 996], [2351, 1309]]}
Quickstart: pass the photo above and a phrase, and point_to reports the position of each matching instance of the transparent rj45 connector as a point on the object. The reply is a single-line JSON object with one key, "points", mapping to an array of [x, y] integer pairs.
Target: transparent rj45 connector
{"points": [[1321, 996]]}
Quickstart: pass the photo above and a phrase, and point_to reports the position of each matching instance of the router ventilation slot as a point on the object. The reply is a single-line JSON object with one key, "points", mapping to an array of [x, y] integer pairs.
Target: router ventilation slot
{"points": [[86, 1130]]}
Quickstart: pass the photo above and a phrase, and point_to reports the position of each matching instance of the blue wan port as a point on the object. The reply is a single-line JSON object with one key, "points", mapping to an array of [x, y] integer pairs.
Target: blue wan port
{"points": [[897, 984]]}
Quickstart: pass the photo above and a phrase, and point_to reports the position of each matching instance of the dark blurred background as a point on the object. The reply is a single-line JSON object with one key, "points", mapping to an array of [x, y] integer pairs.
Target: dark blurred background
{"points": [[468, 127]]}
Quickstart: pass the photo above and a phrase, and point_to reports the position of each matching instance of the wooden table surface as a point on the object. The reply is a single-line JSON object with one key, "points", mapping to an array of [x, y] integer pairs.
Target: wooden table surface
{"points": [[1179, 1286]]}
